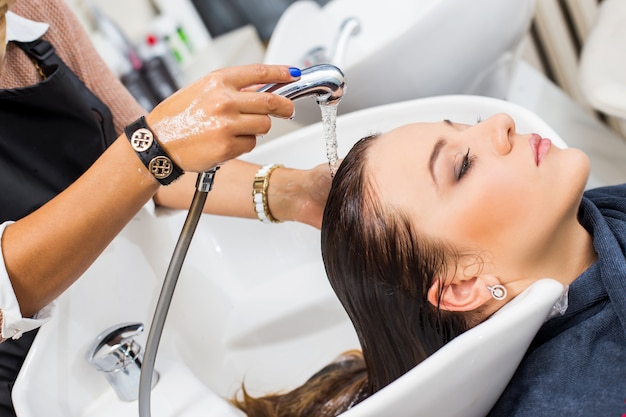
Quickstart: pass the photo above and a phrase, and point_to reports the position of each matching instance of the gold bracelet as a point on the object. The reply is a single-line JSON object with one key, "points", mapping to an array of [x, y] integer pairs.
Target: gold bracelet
{"points": [[259, 193]]}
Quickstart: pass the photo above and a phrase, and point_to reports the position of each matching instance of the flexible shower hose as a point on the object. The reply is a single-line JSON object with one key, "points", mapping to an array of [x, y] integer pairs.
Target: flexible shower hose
{"points": [[326, 84], [203, 186]]}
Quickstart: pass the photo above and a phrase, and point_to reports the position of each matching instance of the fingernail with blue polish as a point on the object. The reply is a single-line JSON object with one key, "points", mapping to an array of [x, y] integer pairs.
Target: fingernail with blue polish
{"points": [[295, 72]]}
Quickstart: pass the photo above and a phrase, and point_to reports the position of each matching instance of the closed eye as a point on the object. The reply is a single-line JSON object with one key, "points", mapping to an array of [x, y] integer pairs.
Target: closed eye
{"points": [[464, 166]]}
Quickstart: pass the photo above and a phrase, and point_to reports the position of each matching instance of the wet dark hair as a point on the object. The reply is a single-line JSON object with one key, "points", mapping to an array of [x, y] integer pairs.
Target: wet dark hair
{"points": [[380, 268], [328, 393]]}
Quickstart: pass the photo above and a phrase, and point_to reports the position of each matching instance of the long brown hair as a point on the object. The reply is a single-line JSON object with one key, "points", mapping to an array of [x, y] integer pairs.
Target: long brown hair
{"points": [[328, 393], [4, 8], [380, 268]]}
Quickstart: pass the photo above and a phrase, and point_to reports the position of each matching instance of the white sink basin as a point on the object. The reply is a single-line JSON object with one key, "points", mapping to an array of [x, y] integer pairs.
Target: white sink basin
{"points": [[253, 303], [406, 49]]}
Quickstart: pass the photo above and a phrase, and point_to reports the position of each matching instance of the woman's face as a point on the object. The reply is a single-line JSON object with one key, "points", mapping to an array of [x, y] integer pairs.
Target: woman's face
{"points": [[487, 189]]}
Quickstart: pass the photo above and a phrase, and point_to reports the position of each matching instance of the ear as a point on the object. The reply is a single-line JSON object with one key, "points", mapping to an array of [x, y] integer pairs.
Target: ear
{"points": [[462, 294]]}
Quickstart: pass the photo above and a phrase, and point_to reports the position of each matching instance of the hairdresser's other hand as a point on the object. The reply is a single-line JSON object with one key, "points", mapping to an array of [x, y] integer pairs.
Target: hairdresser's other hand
{"points": [[300, 195], [213, 120]]}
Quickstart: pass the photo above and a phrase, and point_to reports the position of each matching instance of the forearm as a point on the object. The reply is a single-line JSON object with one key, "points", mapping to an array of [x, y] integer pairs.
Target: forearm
{"points": [[231, 194], [204, 124], [46, 251], [293, 194]]}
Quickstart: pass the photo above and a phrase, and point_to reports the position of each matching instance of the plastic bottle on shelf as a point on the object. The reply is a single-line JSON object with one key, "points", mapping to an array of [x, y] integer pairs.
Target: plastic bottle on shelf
{"points": [[123, 58], [159, 69]]}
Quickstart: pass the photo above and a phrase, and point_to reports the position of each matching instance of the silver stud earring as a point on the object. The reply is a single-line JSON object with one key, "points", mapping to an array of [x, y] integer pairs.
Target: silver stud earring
{"points": [[498, 292]]}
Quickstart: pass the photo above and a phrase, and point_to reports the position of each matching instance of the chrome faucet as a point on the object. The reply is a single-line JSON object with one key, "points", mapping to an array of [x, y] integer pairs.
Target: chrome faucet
{"points": [[325, 83], [117, 355], [350, 27]]}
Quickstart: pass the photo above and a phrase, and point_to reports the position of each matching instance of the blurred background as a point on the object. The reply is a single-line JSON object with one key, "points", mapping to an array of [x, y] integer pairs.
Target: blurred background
{"points": [[197, 36]]}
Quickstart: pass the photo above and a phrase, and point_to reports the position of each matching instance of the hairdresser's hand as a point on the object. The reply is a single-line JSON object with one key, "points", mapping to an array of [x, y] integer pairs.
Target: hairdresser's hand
{"points": [[300, 195], [214, 120]]}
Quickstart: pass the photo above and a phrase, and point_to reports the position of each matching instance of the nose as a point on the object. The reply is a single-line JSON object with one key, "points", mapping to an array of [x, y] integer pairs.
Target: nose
{"points": [[501, 131]]}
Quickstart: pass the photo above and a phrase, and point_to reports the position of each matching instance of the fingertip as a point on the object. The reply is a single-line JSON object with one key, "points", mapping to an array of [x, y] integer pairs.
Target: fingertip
{"points": [[295, 72]]}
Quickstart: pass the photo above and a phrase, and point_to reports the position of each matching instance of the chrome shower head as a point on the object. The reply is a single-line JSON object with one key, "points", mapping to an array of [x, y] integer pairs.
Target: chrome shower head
{"points": [[325, 83]]}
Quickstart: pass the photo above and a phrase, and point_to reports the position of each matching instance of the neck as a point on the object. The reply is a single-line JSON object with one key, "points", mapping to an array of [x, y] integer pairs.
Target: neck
{"points": [[577, 255], [569, 254]]}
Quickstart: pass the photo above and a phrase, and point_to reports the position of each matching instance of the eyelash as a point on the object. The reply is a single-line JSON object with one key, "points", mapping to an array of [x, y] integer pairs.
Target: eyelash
{"points": [[466, 165]]}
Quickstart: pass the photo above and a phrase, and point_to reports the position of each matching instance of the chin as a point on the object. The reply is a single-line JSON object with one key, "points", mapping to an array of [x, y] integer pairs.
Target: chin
{"points": [[577, 166], [570, 178]]}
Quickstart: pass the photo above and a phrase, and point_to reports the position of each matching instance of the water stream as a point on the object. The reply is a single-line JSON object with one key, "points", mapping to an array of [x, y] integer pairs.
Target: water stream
{"points": [[329, 121]]}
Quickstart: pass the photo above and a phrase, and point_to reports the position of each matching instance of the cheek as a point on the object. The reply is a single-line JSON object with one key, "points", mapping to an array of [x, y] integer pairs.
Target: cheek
{"points": [[509, 207], [491, 210]]}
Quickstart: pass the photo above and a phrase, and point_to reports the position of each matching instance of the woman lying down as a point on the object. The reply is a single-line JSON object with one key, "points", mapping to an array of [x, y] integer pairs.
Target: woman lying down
{"points": [[431, 228]]}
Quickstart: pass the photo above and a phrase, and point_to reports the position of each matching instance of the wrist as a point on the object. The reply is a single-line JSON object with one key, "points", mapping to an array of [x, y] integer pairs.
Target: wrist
{"points": [[261, 194], [144, 142], [285, 193], [300, 195]]}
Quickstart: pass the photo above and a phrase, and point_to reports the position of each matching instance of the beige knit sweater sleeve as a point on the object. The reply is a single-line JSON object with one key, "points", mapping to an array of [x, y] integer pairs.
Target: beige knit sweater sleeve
{"points": [[73, 45]]}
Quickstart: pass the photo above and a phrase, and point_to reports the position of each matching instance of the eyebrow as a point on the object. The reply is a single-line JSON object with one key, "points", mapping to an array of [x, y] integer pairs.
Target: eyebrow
{"points": [[435, 153], [433, 157]]}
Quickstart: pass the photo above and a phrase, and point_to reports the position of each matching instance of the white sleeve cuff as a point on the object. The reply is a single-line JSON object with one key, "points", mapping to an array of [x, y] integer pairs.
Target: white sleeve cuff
{"points": [[13, 324]]}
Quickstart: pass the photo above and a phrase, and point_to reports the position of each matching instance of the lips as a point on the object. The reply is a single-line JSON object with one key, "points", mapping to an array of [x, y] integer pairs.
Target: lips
{"points": [[540, 147]]}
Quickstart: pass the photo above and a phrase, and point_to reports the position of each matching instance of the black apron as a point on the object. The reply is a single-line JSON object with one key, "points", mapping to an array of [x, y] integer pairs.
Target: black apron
{"points": [[50, 133]]}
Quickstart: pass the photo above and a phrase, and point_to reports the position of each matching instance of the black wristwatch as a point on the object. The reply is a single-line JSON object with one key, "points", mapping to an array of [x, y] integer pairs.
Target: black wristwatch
{"points": [[144, 142]]}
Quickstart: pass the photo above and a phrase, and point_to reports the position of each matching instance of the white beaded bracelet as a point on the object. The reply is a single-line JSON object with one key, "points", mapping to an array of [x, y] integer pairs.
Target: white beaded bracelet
{"points": [[259, 193]]}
